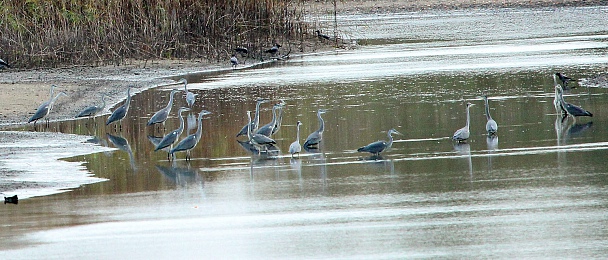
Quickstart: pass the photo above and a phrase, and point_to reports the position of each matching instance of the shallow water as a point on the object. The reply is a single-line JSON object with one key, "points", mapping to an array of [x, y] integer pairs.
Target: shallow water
{"points": [[538, 190]]}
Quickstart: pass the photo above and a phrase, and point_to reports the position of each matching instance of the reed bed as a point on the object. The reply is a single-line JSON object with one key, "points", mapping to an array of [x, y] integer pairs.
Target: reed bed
{"points": [[39, 33]]}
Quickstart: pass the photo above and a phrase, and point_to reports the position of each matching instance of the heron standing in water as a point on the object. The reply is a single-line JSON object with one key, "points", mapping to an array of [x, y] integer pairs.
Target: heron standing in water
{"points": [[317, 136], [172, 136], [256, 120], [93, 110], [45, 108], [491, 125], [377, 147], [120, 113], [268, 129], [258, 140], [192, 140], [161, 115], [559, 109], [572, 110], [295, 147], [461, 135], [190, 97]]}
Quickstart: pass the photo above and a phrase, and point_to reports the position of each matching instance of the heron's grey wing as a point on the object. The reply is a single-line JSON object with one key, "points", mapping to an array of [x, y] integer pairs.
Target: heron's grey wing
{"points": [[312, 139], [262, 139], [243, 130], [295, 147], [40, 112], [187, 143], [89, 111], [167, 140], [374, 147], [460, 134], [577, 111], [158, 117], [491, 126], [118, 114], [265, 130]]}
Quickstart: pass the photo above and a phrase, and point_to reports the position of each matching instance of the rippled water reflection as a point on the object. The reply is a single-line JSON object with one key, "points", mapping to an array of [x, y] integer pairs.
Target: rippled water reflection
{"points": [[537, 190]]}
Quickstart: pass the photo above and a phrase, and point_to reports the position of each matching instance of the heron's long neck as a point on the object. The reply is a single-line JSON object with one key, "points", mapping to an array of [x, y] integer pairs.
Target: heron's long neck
{"points": [[390, 140], [298, 132], [468, 117], [561, 99], [274, 117], [52, 90], [488, 116], [103, 102], [181, 123], [321, 123], [256, 118], [170, 101], [128, 99], [186, 87], [54, 99], [277, 125], [199, 129], [249, 128]]}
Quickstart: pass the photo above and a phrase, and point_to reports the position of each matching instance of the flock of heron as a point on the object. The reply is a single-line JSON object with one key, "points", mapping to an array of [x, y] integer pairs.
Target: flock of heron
{"points": [[259, 138]]}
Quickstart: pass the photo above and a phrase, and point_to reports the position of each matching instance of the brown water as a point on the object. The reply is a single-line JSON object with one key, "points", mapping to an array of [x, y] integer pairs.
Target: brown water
{"points": [[539, 190]]}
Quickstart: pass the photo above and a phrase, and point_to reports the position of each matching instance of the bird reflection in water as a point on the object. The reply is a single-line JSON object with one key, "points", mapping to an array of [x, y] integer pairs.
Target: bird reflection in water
{"points": [[180, 176], [492, 144], [465, 150], [123, 145]]}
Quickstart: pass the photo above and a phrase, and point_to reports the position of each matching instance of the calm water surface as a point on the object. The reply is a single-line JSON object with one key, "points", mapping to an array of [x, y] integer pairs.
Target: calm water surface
{"points": [[538, 190]]}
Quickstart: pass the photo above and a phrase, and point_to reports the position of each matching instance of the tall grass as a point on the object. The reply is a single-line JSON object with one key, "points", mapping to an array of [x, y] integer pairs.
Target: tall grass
{"points": [[39, 33]]}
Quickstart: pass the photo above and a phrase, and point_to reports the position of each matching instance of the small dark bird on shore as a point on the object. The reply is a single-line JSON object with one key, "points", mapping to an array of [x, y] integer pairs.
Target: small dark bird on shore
{"points": [[4, 64], [274, 50], [322, 36], [563, 79], [241, 50], [234, 61], [11, 200]]}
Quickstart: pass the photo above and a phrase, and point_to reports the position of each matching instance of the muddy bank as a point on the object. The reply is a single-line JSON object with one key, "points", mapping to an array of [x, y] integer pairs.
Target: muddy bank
{"points": [[22, 91]]}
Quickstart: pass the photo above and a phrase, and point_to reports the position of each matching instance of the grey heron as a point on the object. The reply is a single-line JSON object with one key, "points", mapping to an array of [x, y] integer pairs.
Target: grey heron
{"points": [[268, 129], [277, 125], [234, 61], [172, 136], [45, 108], [322, 36], [161, 115], [377, 147], [120, 113], [295, 147], [556, 99], [563, 79], [571, 109], [93, 110], [4, 64], [315, 137], [46, 103], [258, 140], [462, 134], [190, 97], [274, 49], [192, 140], [491, 125], [256, 121]]}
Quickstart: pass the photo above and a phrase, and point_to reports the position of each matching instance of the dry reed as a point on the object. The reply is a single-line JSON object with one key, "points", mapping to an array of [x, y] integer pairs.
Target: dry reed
{"points": [[39, 33]]}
